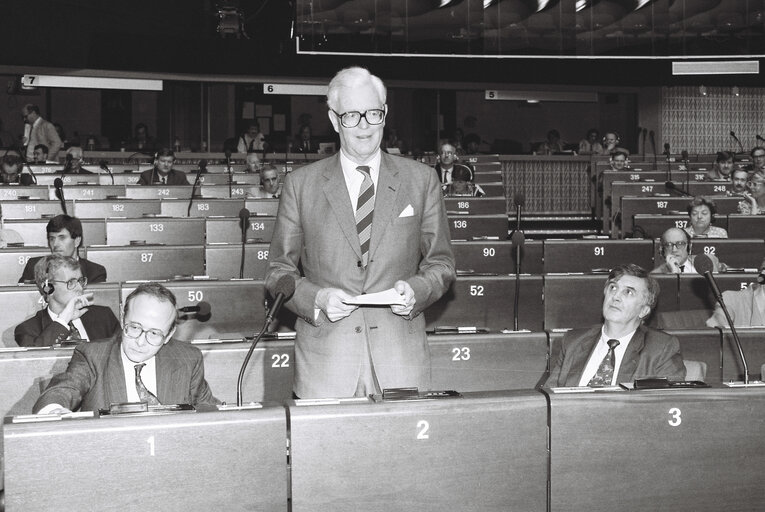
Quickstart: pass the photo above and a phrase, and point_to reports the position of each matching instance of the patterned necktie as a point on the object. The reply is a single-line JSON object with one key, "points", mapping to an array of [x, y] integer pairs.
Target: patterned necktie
{"points": [[605, 372], [144, 394], [364, 211], [74, 333]]}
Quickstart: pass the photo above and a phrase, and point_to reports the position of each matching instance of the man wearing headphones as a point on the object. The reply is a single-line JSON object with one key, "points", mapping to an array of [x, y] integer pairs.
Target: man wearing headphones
{"points": [[163, 173], [70, 314], [676, 251], [65, 239], [610, 141], [447, 163], [620, 160]]}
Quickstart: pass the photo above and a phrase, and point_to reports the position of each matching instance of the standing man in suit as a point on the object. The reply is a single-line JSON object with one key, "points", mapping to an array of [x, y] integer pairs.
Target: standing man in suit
{"points": [[39, 131], [359, 222], [622, 349], [163, 173], [141, 363], [65, 239], [70, 314]]}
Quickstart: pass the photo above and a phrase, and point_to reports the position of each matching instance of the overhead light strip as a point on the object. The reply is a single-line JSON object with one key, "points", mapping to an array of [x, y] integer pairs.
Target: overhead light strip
{"points": [[716, 67]]}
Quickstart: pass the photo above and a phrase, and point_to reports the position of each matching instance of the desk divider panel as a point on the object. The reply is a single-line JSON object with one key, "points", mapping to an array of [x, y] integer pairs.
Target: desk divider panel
{"points": [[24, 375], [174, 462], [573, 300], [694, 292], [753, 344], [475, 205], [24, 193], [657, 450], [156, 230], [68, 179], [149, 262], [487, 362], [13, 261], [34, 234], [34, 208], [653, 225], [127, 208], [589, 255], [424, 455], [201, 207], [496, 257], [228, 229], [746, 226], [736, 253], [487, 302], [470, 227], [702, 345], [159, 191], [223, 260], [268, 207], [88, 192]]}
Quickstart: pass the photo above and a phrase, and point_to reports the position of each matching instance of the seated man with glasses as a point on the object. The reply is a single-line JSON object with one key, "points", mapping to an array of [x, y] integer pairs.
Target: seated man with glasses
{"points": [[70, 314], [140, 363], [447, 163], [676, 250]]}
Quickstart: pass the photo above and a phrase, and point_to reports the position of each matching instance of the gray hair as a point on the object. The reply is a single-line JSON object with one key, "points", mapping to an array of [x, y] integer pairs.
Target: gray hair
{"points": [[353, 77]]}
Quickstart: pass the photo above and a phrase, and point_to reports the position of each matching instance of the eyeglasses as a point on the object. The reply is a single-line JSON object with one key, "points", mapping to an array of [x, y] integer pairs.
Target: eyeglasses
{"points": [[448, 153], [153, 336], [674, 245], [73, 282], [352, 119]]}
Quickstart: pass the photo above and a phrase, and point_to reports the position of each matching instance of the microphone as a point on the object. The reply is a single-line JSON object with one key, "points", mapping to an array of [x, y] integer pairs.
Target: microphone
{"points": [[643, 135], [25, 163], [687, 169], [68, 163], [518, 241], [671, 187], [741, 146], [103, 165], [520, 201], [759, 138], [244, 225], [59, 184], [652, 139], [202, 308], [704, 267], [666, 149], [228, 168], [284, 289], [202, 168]]}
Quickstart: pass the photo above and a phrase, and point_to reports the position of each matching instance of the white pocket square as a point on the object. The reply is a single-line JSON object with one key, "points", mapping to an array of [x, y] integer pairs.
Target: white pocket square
{"points": [[407, 212]]}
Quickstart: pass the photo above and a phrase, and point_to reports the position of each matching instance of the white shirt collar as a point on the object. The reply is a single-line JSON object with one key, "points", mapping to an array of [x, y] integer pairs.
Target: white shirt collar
{"points": [[77, 322]]}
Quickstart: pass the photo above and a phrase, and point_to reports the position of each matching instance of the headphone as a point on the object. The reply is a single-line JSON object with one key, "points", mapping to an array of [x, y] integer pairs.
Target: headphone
{"points": [[618, 139], [47, 287]]}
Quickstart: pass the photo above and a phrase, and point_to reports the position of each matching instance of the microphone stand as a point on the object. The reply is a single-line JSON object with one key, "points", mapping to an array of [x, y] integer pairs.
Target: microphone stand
{"points": [[713, 286], [230, 176], [245, 226], [247, 360]]}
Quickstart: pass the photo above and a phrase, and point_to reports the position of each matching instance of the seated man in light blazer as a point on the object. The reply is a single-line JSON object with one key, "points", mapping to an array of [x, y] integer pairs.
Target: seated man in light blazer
{"points": [[70, 314], [141, 363], [622, 349]]}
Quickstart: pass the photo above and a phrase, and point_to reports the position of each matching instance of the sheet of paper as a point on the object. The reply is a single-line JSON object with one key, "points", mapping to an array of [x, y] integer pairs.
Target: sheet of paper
{"points": [[384, 298]]}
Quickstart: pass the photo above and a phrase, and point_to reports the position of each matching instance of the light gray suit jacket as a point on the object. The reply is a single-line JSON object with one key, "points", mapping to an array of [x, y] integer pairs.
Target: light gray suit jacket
{"points": [[316, 231]]}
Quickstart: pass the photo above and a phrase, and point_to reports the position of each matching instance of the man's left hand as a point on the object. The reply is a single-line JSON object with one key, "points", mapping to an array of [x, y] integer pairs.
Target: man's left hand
{"points": [[403, 289]]}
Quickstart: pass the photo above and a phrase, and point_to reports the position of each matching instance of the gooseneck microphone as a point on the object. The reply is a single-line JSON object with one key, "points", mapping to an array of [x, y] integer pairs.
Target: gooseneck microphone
{"points": [[667, 153], [58, 183], [284, 289], [704, 266], [228, 169], [202, 308], [244, 224], [202, 168], [671, 187], [518, 241], [652, 138], [687, 165], [740, 146], [105, 167], [760, 139], [25, 163]]}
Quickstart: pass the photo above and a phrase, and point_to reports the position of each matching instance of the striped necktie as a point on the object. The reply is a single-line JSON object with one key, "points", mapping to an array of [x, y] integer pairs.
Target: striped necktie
{"points": [[364, 211], [605, 373], [144, 394], [74, 332]]}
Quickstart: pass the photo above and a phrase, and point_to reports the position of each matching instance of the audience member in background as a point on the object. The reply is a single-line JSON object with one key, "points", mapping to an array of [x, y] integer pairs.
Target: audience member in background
{"points": [[472, 143], [746, 306], [163, 173], [551, 145], [445, 161], [620, 160], [754, 195], [676, 249], [74, 165], [462, 183], [8, 236], [590, 145], [722, 167], [251, 140], [66, 143], [738, 180], [758, 159], [610, 142], [10, 172], [305, 142], [701, 214], [39, 131], [140, 363], [141, 140], [65, 239], [40, 154], [70, 314], [392, 142], [269, 183], [622, 349], [252, 162]]}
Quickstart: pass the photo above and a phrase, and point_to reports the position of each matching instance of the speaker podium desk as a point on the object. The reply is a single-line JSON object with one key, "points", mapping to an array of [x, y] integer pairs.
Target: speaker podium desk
{"points": [[229, 460], [660, 450], [486, 451]]}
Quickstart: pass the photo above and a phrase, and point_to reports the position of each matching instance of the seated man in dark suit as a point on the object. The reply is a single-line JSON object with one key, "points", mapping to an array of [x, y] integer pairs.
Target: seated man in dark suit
{"points": [[65, 239], [10, 172], [141, 363], [622, 349], [71, 314], [163, 173]]}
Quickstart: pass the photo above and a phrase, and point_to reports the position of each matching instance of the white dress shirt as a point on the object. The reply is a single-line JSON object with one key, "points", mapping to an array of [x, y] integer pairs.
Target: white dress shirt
{"points": [[76, 322]]}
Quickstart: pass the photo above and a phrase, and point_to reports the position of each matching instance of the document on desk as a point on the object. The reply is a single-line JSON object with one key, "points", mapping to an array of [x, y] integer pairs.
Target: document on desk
{"points": [[389, 297]]}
